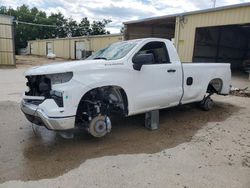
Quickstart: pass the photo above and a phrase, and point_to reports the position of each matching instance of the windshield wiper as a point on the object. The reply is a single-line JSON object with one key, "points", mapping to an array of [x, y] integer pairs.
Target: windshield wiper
{"points": [[100, 58]]}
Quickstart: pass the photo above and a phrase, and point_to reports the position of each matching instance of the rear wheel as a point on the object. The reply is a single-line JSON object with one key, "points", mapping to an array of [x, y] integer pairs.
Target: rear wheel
{"points": [[207, 104]]}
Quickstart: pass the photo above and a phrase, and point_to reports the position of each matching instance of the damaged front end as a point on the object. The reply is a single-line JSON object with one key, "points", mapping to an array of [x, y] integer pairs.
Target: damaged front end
{"points": [[42, 99], [41, 85]]}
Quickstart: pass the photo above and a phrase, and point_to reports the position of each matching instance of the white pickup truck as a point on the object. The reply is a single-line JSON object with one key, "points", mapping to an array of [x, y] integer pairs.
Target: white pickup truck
{"points": [[126, 78]]}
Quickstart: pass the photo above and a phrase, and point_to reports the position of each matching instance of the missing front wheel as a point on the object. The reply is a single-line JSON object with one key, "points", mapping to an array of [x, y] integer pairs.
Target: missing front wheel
{"points": [[99, 126]]}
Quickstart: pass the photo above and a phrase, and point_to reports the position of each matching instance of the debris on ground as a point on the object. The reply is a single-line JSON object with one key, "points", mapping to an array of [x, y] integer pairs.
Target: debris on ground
{"points": [[240, 92]]}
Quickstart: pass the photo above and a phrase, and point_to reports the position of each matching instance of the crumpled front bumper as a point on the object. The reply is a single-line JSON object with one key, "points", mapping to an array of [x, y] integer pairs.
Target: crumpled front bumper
{"points": [[37, 116]]}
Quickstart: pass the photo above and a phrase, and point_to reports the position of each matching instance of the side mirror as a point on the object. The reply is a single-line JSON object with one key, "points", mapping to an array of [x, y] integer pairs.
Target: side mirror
{"points": [[141, 59]]}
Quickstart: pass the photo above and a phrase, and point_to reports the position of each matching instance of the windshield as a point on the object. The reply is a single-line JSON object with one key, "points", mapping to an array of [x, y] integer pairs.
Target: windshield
{"points": [[114, 51]]}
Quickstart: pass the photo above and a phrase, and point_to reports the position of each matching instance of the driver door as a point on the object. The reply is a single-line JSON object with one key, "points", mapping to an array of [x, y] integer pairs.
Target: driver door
{"points": [[157, 85]]}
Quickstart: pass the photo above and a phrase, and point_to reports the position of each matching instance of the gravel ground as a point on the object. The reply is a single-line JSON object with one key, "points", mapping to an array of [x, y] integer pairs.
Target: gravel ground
{"points": [[192, 148]]}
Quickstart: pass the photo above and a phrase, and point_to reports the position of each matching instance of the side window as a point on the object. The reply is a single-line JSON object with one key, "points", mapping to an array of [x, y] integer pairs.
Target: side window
{"points": [[158, 50]]}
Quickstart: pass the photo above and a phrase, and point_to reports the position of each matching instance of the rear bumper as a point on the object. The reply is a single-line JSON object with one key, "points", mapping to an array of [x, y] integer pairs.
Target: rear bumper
{"points": [[36, 115]]}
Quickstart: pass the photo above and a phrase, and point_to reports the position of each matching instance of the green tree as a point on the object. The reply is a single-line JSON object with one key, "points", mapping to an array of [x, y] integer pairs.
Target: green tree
{"points": [[98, 27], [3, 10], [84, 27], [122, 29], [72, 29], [60, 22], [60, 26]]}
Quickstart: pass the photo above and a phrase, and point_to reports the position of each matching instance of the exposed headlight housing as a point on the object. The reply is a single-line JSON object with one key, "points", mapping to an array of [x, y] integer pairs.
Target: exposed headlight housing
{"points": [[60, 78], [41, 85]]}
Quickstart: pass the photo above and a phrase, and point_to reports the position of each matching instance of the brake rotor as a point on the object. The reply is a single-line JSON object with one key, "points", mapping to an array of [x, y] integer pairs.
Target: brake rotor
{"points": [[100, 126]]}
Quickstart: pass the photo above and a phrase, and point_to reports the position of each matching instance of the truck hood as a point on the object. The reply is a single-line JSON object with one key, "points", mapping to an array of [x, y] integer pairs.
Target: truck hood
{"points": [[69, 66]]}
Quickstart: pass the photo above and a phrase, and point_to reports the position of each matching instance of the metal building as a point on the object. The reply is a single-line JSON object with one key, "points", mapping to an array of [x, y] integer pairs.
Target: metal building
{"points": [[74, 47], [213, 35], [7, 47]]}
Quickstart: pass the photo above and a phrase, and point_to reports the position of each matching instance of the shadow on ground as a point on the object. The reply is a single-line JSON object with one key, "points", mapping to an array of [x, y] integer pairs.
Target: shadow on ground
{"points": [[28, 156]]}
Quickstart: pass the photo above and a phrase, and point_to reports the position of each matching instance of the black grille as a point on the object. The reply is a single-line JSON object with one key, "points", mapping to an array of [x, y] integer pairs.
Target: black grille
{"points": [[38, 86]]}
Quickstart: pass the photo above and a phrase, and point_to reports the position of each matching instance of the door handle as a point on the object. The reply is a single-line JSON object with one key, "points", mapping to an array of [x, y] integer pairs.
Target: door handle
{"points": [[171, 70]]}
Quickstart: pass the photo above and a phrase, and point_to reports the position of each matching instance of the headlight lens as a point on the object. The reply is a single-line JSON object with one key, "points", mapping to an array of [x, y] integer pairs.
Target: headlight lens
{"points": [[60, 78]]}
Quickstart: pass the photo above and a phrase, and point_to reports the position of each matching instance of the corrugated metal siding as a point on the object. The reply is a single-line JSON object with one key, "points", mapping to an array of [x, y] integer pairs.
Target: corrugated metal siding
{"points": [[62, 48], [191, 22], [65, 48], [6, 41], [135, 31]]}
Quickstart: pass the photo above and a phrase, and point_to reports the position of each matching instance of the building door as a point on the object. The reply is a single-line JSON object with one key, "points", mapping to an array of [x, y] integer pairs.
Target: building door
{"points": [[32, 49], [49, 48], [223, 44], [80, 48]]}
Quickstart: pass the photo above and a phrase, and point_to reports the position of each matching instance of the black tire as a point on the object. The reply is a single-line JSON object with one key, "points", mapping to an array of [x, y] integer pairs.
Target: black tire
{"points": [[207, 104]]}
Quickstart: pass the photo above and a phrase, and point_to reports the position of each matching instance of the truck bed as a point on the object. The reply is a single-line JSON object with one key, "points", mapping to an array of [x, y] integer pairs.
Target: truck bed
{"points": [[202, 74]]}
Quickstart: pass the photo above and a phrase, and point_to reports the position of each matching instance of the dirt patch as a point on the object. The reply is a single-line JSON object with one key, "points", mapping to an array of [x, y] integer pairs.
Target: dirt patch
{"points": [[246, 161], [240, 92], [28, 156]]}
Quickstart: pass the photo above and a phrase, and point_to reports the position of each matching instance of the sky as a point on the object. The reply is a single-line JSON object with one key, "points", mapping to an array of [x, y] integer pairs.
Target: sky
{"points": [[118, 10]]}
